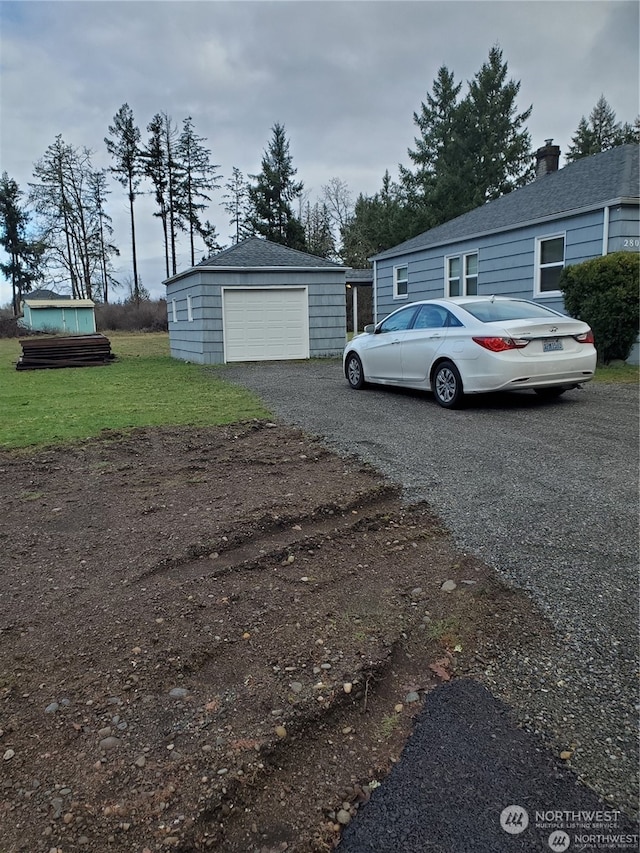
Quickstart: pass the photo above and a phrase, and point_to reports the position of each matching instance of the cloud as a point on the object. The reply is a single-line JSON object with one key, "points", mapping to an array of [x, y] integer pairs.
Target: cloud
{"points": [[343, 77]]}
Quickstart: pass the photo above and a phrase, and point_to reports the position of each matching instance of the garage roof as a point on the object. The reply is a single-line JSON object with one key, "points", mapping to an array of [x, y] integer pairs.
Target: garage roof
{"points": [[256, 252]]}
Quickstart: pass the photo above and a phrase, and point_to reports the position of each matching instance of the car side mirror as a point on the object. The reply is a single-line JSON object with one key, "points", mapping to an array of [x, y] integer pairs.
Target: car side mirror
{"points": [[370, 328]]}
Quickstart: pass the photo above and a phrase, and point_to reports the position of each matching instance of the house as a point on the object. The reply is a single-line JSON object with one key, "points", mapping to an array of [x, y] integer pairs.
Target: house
{"points": [[257, 301], [46, 311], [518, 244]]}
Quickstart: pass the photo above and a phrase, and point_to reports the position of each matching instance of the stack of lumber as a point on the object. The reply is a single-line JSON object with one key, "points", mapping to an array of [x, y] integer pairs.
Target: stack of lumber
{"points": [[71, 351]]}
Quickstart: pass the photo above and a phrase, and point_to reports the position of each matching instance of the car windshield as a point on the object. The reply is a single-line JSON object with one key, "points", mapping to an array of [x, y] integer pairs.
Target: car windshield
{"points": [[490, 312]]}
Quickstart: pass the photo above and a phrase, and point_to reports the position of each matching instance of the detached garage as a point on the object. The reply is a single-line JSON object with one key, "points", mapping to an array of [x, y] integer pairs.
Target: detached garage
{"points": [[257, 301]]}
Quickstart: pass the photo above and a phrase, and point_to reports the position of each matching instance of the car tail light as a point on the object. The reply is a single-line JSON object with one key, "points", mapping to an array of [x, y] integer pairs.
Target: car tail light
{"points": [[585, 337], [500, 344]]}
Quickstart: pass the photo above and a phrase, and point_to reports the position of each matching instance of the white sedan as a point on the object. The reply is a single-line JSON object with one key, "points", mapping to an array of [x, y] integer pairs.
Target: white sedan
{"points": [[471, 345]]}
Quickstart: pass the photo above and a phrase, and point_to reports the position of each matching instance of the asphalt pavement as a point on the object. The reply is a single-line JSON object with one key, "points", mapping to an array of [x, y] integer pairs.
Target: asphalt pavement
{"points": [[546, 492]]}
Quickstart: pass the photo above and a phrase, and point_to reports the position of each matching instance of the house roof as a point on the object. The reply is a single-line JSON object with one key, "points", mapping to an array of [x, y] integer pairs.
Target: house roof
{"points": [[359, 276], [43, 293], [256, 252], [62, 302], [582, 185]]}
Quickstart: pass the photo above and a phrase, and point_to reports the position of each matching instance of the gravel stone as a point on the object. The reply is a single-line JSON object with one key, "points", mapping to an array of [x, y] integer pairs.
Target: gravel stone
{"points": [[547, 494]]}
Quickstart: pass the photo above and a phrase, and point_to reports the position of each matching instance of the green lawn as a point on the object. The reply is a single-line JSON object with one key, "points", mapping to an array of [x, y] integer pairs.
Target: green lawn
{"points": [[143, 386], [627, 373]]}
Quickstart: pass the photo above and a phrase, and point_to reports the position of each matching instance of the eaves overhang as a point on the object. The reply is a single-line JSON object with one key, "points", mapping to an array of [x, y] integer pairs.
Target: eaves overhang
{"points": [[477, 235], [253, 269]]}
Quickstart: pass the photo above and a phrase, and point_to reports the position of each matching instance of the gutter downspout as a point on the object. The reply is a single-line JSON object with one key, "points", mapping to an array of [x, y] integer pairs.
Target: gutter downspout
{"points": [[375, 291], [605, 230]]}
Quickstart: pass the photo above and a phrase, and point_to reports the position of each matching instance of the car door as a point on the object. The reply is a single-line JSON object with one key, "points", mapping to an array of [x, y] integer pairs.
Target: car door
{"points": [[422, 342], [383, 358]]}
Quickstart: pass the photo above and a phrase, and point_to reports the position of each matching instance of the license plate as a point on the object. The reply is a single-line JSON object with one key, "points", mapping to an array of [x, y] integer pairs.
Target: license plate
{"points": [[551, 345]]}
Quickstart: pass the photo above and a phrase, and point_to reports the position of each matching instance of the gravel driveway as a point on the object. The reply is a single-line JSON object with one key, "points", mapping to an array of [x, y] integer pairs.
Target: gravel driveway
{"points": [[547, 493]]}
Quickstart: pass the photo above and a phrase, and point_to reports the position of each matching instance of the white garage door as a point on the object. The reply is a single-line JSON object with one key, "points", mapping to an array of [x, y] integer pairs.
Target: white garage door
{"points": [[265, 324]]}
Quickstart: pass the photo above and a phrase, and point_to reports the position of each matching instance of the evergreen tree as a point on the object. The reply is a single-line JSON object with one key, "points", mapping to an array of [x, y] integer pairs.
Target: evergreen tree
{"points": [[197, 178], [468, 151], [155, 167], [236, 204], [437, 189], [124, 146], [23, 268], [601, 132], [379, 222], [103, 233], [209, 235], [272, 195], [497, 141]]}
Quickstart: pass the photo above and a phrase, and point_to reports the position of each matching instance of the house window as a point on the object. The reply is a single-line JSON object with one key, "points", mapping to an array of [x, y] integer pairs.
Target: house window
{"points": [[462, 275], [189, 310], [549, 264], [174, 311], [400, 282]]}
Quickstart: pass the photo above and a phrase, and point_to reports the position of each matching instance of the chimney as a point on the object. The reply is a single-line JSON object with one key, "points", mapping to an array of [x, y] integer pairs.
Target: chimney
{"points": [[547, 158]]}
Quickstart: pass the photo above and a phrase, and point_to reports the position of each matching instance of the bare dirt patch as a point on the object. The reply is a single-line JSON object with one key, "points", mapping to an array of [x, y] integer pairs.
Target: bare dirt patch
{"points": [[218, 638]]}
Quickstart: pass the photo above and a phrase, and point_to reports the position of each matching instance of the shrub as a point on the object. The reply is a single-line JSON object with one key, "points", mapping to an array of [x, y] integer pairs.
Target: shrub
{"points": [[11, 327], [603, 292], [148, 316]]}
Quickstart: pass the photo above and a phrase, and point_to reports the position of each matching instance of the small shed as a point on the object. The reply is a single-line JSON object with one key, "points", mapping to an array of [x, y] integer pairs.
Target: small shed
{"points": [[69, 316], [257, 301]]}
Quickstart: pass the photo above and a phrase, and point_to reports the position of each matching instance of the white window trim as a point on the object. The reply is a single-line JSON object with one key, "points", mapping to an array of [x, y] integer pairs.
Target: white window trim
{"points": [[463, 272], [189, 309], [174, 311], [397, 295], [537, 292]]}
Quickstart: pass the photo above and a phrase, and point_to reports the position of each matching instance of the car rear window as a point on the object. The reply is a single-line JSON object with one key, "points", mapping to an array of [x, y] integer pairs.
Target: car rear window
{"points": [[490, 312]]}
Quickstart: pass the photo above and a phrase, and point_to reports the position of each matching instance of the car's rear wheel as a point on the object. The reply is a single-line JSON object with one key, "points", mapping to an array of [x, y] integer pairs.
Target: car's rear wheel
{"points": [[549, 393], [447, 385], [354, 372]]}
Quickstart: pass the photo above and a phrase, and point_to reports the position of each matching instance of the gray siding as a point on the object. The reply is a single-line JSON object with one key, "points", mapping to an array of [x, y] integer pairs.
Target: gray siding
{"points": [[624, 229], [506, 261]]}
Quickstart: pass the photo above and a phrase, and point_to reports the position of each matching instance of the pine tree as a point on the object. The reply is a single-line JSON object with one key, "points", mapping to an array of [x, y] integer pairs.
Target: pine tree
{"points": [[273, 193], [103, 233], [23, 268], [124, 147], [155, 167], [601, 132], [197, 178], [437, 189], [379, 222], [497, 141], [236, 204]]}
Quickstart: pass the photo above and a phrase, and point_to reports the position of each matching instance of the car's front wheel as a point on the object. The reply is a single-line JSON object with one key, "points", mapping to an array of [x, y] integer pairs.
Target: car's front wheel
{"points": [[354, 372], [447, 385]]}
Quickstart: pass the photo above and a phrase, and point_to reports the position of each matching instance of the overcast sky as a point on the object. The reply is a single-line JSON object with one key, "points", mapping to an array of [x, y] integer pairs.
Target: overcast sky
{"points": [[343, 77]]}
